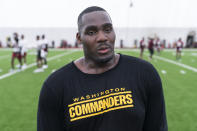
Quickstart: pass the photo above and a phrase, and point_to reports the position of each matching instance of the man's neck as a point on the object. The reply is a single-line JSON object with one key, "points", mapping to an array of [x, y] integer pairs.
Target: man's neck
{"points": [[91, 67]]}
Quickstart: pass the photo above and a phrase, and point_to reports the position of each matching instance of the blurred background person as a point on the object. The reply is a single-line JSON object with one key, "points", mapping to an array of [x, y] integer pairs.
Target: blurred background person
{"points": [[23, 45], [39, 58], [16, 53], [179, 46], [142, 46], [9, 42], [151, 47], [158, 45], [44, 51]]}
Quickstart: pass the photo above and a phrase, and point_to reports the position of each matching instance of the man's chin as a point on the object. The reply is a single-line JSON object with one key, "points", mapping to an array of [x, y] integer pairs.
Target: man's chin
{"points": [[104, 59]]}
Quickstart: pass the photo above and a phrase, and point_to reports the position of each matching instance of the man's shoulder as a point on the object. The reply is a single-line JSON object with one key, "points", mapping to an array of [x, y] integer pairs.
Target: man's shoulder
{"points": [[144, 68], [132, 60], [136, 63], [61, 74]]}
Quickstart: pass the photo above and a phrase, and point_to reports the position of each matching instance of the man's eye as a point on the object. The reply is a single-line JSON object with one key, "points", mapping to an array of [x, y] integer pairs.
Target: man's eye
{"points": [[108, 29], [91, 32]]}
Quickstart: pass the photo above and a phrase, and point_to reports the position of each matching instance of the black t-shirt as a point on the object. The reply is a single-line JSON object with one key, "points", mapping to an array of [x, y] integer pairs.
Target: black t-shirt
{"points": [[128, 97]]}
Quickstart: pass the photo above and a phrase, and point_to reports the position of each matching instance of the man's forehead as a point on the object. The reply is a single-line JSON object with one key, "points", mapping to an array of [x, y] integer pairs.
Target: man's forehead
{"points": [[96, 17]]}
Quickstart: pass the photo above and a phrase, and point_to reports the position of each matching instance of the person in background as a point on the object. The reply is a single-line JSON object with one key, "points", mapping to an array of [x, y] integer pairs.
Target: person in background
{"points": [[151, 47], [142, 46], [23, 46], [1, 45], [158, 45], [53, 44], [44, 51], [16, 54], [39, 57], [9, 42], [179, 46]]}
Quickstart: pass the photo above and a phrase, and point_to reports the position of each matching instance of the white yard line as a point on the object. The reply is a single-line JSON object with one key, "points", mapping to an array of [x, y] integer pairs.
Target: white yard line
{"points": [[3, 57], [170, 61], [33, 64], [176, 63], [6, 49]]}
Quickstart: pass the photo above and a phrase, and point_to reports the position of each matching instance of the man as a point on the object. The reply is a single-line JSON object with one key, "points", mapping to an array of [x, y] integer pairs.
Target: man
{"points": [[158, 45], [179, 46], [9, 42], [39, 57], [1, 45], [16, 53], [142, 46], [151, 47], [44, 51], [103, 91], [23, 46]]}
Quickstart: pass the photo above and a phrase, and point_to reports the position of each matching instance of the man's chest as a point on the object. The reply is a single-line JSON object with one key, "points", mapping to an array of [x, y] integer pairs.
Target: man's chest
{"points": [[91, 99]]}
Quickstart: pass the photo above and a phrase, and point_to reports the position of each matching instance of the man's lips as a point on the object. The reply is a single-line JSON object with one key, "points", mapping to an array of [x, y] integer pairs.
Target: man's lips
{"points": [[103, 49]]}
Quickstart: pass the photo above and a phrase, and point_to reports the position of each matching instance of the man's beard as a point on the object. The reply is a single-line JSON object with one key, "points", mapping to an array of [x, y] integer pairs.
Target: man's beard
{"points": [[100, 59], [105, 59]]}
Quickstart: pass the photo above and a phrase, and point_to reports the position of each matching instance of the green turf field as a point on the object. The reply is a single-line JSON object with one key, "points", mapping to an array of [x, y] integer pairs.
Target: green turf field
{"points": [[19, 92]]}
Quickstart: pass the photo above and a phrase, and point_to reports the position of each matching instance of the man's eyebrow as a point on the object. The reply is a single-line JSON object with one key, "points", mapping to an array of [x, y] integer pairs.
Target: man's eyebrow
{"points": [[91, 27], [107, 24], [94, 27]]}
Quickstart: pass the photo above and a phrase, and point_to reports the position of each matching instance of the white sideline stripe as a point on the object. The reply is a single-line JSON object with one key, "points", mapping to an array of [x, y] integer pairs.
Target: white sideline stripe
{"points": [[176, 63], [6, 49], [33, 64], [2, 57]]}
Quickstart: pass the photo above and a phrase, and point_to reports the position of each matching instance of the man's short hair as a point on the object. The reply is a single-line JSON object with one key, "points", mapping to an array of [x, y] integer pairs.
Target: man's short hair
{"points": [[85, 11]]}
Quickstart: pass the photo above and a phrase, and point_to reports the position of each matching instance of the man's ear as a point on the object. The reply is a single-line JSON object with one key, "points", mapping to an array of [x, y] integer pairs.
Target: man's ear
{"points": [[78, 37]]}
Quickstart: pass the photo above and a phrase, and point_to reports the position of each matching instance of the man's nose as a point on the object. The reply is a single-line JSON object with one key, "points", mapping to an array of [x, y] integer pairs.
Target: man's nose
{"points": [[101, 37]]}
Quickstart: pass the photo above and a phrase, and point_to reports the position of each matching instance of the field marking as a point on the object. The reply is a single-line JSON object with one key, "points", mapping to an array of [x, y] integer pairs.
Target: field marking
{"points": [[32, 53], [163, 71], [193, 60], [182, 72], [193, 54], [6, 49], [5, 56], [169, 61], [176, 63], [33, 64]]}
